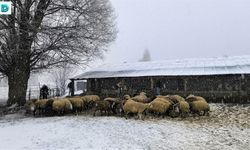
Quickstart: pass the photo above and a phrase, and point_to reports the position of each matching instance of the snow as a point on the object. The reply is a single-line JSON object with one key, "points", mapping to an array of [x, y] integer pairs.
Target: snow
{"points": [[198, 66], [87, 132]]}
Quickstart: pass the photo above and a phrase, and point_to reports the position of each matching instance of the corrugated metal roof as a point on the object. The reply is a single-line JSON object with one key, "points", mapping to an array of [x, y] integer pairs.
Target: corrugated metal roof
{"points": [[180, 67]]}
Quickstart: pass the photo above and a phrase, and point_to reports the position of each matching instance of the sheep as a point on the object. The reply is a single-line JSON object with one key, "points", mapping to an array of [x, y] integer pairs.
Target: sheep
{"points": [[58, 107], [134, 107], [198, 104], [192, 98], [160, 105], [30, 107], [40, 106], [102, 106], [184, 107], [176, 98], [113, 102], [126, 97], [140, 98], [61, 106], [89, 100], [49, 107], [68, 106], [116, 105], [77, 103], [180, 107]]}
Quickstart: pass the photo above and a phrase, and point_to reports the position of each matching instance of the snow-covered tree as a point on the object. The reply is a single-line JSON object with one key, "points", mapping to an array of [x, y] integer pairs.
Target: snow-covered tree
{"points": [[41, 34]]}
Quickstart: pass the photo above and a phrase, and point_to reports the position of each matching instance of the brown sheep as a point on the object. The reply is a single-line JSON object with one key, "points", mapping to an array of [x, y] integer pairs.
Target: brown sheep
{"points": [[198, 104], [192, 98], [68, 106], [134, 107], [126, 97], [30, 107], [181, 107], [58, 107], [140, 98], [90, 100], [176, 98], [184, 108], [77, 103], [160, 106], [40, 106], [61, 106]]}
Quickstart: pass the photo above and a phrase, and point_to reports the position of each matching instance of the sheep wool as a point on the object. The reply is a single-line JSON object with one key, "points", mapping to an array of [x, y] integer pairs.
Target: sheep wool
{"points": [[199, 106], [58, 106], [140, 98], [77, 104], [132, 106], [160, 105]]}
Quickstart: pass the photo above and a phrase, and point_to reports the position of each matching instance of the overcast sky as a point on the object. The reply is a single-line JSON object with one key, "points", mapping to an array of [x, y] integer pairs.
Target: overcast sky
{"points": [[173, 29]]}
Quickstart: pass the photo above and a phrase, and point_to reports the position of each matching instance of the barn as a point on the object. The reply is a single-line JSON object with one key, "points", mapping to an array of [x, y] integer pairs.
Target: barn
{"points": [[220, 79]]}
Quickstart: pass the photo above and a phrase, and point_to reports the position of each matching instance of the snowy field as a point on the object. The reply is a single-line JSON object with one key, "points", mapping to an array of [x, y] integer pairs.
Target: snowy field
{"points": [[230, 130]]}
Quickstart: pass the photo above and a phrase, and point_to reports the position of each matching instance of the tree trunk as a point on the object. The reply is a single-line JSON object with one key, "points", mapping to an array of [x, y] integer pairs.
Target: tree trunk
{"points": [[18, 82]]}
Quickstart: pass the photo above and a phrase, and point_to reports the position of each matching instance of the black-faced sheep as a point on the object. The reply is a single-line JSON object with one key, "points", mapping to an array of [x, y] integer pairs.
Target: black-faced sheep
{"points": [[181, 107], [116, 105], [90, 100], [113, 102], [102, 106], [49, 107], [198, 105], [134, 107]]}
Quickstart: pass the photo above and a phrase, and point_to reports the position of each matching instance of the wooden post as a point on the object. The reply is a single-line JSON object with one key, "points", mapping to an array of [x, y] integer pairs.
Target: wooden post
{"points": [[185, 85], [73, 87], [152, 83]]}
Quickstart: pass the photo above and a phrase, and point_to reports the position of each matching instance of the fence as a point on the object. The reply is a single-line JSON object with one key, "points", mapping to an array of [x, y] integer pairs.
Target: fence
{"points": [[33, 92]]}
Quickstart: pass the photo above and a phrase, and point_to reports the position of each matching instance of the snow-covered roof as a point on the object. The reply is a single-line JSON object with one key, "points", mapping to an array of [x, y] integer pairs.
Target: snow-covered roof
{"points": [[179, 67]]}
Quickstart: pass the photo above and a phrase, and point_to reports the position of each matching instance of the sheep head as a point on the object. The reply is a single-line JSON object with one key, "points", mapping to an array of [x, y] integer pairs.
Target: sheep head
{"points": [[149, 105], [126, 97], [142, 93]]}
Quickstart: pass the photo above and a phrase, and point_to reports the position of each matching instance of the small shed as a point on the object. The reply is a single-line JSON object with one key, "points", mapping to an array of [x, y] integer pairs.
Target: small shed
{"points": [[220, 79]]}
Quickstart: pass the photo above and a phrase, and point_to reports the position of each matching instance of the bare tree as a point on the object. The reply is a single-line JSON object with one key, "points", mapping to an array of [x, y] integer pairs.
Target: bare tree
{"points": [[61, 75], [146, 56], [41, 34]]}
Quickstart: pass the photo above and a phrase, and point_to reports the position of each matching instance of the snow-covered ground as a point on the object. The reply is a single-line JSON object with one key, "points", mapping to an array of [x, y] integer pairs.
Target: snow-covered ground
{"points": [[230, 131]]}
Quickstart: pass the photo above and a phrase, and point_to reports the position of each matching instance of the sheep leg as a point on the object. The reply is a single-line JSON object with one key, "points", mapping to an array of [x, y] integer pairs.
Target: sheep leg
{"points": [[76, 112], [108, 112], [34, 113], [126, 115], [141, 116]]}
